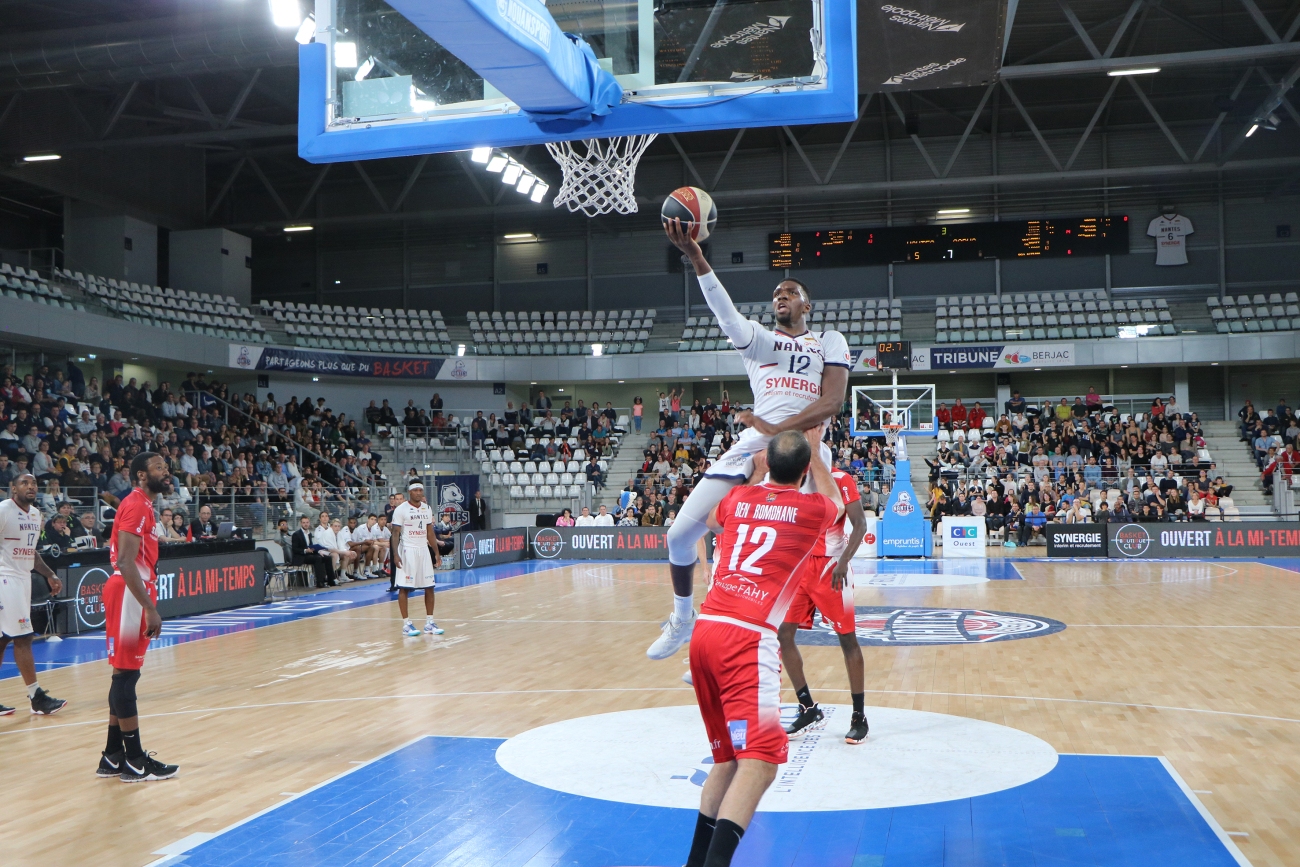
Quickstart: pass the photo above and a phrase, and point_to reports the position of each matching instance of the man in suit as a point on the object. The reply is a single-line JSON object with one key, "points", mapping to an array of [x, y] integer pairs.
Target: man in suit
{"points": [[304, 552], [478, 512]]}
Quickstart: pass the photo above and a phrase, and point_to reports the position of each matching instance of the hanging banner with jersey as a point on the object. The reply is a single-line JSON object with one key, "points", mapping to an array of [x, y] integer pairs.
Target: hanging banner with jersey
{"points": [[904, 530], [453, 494]]}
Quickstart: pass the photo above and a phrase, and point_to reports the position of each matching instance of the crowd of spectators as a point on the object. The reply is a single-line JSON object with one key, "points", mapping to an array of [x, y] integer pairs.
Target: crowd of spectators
{"points": [[1072, 462], [227, 452], [1274, 439]]}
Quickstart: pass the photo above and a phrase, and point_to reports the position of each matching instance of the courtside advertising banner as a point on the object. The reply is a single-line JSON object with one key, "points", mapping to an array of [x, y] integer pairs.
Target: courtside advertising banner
{"points": [[186, 585], [1230, 539], [869, 549], [1075, 540], [964, 537], [599, 543], [490, 547]]}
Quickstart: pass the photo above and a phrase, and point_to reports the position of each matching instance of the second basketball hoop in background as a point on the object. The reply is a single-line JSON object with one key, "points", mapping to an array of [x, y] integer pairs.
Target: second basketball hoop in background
{"points": [[692, 206]]}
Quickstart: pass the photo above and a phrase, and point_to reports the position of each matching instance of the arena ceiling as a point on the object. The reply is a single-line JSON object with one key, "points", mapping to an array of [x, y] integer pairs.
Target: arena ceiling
{"points": [[185, 113]]}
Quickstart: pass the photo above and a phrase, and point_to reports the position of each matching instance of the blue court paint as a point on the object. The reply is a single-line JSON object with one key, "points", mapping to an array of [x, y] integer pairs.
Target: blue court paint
{"points": [[445, 801], [90, 646]]}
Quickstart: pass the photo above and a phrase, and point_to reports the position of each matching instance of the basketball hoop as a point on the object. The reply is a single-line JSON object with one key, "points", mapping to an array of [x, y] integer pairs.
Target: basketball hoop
{"points": [[892, 432], [599, 174]]}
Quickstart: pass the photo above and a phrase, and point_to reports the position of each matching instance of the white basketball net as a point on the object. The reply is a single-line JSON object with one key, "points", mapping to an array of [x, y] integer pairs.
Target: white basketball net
{"points": [[600, 173]]}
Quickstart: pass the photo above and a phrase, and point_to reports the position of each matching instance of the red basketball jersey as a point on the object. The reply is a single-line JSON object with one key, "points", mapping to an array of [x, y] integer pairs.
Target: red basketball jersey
{"points": [[832, 542], [767, 532], [135, 516]]}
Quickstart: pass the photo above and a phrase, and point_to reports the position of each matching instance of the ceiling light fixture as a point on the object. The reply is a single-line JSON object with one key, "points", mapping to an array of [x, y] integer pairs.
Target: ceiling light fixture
{"points": [[298, 228], [42, 158], [1254, 127], [285, 13], [365, 69], [952, 211], [345, 55], [1141, 70], [306, 31], [497, 163], [511, 175], [480, 155], [519, 236], [526, 183], [539, 191]]}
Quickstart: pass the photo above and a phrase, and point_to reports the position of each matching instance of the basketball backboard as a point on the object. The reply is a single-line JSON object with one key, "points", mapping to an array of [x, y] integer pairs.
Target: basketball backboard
{"points": [[875, 406], [373, 84]]}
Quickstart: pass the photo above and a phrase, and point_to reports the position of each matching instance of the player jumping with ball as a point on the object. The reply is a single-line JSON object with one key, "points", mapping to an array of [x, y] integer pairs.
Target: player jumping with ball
{"points": [[798, 377]]}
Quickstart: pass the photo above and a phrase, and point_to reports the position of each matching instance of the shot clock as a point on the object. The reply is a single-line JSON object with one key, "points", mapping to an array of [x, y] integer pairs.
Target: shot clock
{"points": [[894, 355]]}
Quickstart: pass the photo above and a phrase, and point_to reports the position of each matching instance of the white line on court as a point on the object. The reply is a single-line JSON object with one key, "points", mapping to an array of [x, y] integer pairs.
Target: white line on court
{"points": [[1225, 837]]}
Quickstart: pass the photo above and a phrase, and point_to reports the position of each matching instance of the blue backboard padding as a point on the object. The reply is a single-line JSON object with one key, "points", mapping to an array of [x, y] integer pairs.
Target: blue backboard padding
{"points": [[837, 102], [517, 46]]}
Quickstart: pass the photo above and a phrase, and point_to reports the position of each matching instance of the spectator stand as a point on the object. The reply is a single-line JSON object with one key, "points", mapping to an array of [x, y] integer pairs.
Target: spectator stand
{"points": [[573, 332], [1078, 462], [862, 322]]}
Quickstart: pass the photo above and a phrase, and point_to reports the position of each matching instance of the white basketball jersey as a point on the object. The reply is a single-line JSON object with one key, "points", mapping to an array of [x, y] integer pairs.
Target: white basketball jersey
{"points": [[1170, 232], [414, 522], [785, 372], [19, 531]]}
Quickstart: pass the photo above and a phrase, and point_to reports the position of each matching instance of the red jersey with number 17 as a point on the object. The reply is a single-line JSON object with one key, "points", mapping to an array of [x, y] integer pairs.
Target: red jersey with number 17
{"points": [[135, 516], [767, 533]]}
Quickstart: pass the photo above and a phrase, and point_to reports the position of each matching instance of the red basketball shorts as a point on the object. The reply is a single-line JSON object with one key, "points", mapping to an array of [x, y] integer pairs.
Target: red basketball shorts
{"points": [[815, 593], [124, 625], [736, 668]]}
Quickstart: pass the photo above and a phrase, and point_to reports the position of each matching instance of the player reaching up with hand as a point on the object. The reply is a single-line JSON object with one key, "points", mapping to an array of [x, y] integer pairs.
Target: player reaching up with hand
{"points": [[766, 533], [798, 379]]}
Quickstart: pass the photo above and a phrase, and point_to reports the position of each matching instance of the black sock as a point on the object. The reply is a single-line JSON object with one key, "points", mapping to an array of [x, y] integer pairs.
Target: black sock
{"points": [[859, 699], [805, 697], [700, 843], [114, 745], [131, 740], [726, 837]]}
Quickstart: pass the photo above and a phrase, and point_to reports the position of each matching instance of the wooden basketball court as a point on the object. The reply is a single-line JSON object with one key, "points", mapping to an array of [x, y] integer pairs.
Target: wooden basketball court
{"points": [[1194, 662]]}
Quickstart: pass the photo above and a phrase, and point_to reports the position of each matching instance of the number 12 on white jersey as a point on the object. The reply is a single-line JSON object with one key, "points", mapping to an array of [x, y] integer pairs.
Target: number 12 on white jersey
{"points": [[764, 538]]}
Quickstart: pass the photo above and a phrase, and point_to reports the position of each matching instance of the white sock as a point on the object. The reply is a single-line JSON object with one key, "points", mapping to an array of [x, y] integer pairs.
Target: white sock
{"points": [[683, 606], [406, 622], [428, 618], [31, 690]]}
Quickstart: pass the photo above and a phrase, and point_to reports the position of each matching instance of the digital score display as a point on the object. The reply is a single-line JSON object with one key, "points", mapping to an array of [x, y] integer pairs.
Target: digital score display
{"points": [[1055, 238], [894, 355]]}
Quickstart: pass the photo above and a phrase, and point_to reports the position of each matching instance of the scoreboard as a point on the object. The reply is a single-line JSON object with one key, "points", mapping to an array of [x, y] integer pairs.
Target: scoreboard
{"points": [[1049, 238], [894, 355]]}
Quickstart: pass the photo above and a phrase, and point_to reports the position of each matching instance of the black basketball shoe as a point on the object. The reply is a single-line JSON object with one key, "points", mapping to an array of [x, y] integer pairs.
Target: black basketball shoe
{"points": [[45, 704], [5, 710], [857, 730], [144, 769], [110, 765], [809, 719]]}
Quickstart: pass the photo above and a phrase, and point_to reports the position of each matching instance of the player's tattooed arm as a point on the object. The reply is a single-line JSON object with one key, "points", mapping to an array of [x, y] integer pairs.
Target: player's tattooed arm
{"points": [[39, 566]]}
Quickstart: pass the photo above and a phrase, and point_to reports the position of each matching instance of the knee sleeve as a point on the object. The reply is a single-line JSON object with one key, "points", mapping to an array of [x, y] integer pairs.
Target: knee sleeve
{"points": [[121, 695], [692, 519]]}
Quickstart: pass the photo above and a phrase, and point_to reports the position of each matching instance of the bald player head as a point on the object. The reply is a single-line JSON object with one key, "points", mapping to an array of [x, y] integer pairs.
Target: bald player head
{"points": [[788, 454]]}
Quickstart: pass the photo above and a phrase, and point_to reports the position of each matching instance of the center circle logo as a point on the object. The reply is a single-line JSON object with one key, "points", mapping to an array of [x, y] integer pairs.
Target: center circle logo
{"points": [[886, 626], [469, 550], [90, 598], [548, 543], [1132, 540], [913, 757]]}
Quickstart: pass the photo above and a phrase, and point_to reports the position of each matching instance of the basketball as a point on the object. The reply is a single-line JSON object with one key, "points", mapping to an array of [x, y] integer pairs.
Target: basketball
{"points": [[691, 205]]}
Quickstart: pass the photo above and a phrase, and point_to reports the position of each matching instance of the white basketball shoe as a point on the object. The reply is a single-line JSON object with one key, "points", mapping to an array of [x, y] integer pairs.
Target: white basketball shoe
{"points": [[676, 633]]}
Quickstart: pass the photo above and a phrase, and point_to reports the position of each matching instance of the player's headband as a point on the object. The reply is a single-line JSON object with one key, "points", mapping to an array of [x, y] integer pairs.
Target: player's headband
{"points": [[415, 485]]}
